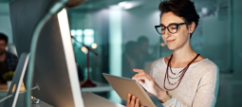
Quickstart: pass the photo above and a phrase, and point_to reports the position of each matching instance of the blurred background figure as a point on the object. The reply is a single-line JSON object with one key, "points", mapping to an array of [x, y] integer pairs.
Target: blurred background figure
{"points": [[143, 54], [8, 61], [128, 61], [80, 73]]}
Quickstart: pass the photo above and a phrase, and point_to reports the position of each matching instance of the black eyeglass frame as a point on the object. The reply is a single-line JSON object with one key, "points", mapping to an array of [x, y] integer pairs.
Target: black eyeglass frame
{"points": [[166, 27]]}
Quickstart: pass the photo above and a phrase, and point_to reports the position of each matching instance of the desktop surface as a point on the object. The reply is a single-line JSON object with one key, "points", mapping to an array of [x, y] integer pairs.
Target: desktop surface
{"points": [[90, 100]]}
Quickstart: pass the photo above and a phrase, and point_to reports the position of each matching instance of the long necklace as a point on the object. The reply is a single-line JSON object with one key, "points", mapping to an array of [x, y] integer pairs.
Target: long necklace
{"points": [[174, 77], [180, 76]]}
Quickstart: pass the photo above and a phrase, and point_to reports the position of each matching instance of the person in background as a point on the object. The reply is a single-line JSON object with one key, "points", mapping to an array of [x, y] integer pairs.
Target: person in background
{"points": [[8, 61], [143, 54], [128, 62], [80, 73], [184, 78]]}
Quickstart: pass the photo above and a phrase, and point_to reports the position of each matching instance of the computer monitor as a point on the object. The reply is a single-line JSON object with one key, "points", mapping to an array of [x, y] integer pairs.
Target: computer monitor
{"points": [[52, 59]]}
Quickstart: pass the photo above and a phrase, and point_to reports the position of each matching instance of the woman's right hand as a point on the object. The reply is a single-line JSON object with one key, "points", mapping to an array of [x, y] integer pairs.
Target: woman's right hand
{"points": [[133, 101]]}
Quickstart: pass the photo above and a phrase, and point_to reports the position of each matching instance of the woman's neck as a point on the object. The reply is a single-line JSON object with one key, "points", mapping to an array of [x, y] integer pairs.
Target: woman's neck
{"points": [[183, 55]]}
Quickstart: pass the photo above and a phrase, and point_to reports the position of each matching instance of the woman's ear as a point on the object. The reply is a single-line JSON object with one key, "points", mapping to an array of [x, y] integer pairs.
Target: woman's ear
{"points": [[191, 27]]}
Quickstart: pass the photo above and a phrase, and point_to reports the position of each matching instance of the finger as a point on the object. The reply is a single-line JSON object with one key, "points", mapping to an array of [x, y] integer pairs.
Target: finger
{"points": [[141, 80], [135, 76], [128, 99], [139, 74], [138, 70], [132, 101], [145, 75], [137, 103], [142, 77], [149, 77]]}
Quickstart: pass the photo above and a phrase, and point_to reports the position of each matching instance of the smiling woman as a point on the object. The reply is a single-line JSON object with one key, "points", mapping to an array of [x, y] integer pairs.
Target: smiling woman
{"points": [[185, 78]]}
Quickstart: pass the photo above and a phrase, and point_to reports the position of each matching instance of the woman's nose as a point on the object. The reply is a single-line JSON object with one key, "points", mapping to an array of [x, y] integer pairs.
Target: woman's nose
{"points": [[166, 34]]}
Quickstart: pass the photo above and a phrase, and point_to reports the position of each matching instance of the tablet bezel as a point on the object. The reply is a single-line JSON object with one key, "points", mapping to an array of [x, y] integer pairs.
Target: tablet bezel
{"points": [[124, 86]]}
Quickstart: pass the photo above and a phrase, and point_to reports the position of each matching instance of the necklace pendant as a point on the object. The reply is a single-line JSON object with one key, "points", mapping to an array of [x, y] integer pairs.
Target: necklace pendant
{"points": [[172, 83]]}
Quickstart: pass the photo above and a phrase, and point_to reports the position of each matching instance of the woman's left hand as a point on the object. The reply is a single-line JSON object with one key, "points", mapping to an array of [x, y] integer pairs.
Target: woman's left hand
{"points": [[149, 83], [133, 101]]}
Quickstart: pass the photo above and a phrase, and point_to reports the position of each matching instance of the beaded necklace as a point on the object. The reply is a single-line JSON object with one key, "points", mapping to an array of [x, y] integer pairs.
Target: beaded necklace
{"points": [[182, 73]]}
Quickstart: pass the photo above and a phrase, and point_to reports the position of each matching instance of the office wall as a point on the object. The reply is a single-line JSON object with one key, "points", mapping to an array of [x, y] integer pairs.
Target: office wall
{"points": [[231, 84], [216, 43], [137, 22], [98, 21], [237, 38]]}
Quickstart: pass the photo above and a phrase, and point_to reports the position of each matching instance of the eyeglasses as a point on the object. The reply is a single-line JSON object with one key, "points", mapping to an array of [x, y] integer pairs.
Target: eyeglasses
{"points": [[172, 28]]}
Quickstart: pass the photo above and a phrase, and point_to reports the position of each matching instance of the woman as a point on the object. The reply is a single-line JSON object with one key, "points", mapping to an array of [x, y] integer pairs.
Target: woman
{"points": [[185, 78]]}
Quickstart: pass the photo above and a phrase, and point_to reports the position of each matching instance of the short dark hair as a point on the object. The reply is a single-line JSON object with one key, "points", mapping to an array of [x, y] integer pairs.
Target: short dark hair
{"points": [[142, 39], [181, 8], [4, 37]]}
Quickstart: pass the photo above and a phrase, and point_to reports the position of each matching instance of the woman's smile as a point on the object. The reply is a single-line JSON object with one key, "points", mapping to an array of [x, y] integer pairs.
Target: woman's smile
{"points": [[169, 41]]}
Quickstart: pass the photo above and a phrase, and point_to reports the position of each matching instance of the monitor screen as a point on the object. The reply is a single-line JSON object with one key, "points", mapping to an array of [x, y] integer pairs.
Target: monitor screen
{"points": [[54, 66], [55, 69]]}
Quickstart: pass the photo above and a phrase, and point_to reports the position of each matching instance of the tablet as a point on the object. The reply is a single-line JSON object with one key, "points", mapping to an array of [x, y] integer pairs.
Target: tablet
{"points": [[123, 86]]}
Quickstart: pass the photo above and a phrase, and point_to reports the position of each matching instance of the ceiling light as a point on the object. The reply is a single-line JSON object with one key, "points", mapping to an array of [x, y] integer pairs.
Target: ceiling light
{"points": [[122, 4], [88, 32], [94, 46], [79, 32], [84, 49], [73, 32], [204, 10], [126, 5]]}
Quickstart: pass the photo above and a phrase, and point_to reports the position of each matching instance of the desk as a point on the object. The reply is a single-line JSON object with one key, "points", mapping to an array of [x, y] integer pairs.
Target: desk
{"points": [[101, 87], [92, 100], [89, 99], [4, 88]]}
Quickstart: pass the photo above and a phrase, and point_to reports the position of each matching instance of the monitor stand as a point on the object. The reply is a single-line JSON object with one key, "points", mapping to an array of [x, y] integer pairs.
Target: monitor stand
{"points": [[12, 96]]}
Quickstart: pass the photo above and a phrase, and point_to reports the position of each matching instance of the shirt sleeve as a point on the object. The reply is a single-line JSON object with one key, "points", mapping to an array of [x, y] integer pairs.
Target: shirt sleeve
{"points": [[151, 69], [207, 89]]}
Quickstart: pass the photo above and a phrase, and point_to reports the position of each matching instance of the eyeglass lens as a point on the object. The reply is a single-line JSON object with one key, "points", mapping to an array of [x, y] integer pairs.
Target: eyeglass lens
{"points": [[171, 28]]}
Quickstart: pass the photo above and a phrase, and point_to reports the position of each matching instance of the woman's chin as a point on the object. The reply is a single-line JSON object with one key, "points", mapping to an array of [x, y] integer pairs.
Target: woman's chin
{"points": [[171, 47]]}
